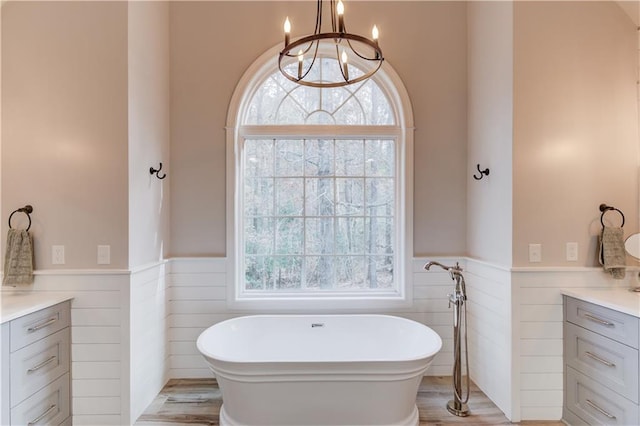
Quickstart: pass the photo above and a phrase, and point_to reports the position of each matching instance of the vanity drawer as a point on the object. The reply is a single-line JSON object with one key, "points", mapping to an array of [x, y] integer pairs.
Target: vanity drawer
{"points": [[611, 363], [29, 328], [38, 364], [616, 325], [594, 404], [49, 405]]}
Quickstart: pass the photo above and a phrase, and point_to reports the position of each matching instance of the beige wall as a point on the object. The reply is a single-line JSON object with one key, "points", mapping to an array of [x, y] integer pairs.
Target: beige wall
{"points": [[490, 118], [212, 43], [148, 131], [68, 138], [575, 125], [64, 126]]}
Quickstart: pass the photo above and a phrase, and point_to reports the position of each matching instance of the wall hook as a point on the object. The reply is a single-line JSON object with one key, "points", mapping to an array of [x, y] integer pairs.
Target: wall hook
{"points": [[157, 172], [483, 173]]}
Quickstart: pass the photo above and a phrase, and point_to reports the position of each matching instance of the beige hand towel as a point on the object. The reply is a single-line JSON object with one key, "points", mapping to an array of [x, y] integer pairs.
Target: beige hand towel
{"points": [[18, 259], [612, 252]]}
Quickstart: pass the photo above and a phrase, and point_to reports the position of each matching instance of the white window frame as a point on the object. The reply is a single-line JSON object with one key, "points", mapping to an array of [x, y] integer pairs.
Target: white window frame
{"points": [[402, 133]]}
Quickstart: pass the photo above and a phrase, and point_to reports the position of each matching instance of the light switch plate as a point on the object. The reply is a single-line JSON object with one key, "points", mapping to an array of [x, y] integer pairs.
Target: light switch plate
{"points": [[57, 255], [535, 252], [572, 252], [104, 255]]}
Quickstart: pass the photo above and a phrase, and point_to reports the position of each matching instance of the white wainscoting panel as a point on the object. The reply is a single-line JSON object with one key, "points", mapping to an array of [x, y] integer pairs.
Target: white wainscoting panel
{"points": [[538, 315], [149, 313], [490, 331], [198, 299], [99, 333], [119, 349], [132, 330], [197, 295]]}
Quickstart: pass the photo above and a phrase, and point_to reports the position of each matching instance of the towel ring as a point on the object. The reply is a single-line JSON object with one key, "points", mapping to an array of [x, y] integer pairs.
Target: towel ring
{"points": [[26, 210], [605, 208]]}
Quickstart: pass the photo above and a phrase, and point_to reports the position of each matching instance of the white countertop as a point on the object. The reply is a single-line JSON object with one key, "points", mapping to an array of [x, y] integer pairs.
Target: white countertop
{"points": [[619, 299], [15, 304]]}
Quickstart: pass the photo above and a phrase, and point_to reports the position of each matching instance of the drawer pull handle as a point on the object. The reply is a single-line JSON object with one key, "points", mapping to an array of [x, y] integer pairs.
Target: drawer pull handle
{"points": [[604, 412], [42, 416], [600, 360], [42, 364], [598, 320], [42, 325]]}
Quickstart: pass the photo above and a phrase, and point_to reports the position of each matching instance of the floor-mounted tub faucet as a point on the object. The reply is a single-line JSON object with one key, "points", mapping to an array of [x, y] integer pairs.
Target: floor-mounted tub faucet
{"points": [[458, 405]]}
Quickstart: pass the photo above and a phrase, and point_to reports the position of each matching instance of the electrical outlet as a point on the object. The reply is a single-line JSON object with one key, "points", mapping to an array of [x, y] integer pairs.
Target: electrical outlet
{"points": [[572, 252], [535, 252], [104, 255], [57, 255]]}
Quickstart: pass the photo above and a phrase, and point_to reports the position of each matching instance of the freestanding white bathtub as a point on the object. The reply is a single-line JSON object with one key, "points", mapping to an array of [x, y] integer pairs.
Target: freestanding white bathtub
{"points": [[319, 369]]}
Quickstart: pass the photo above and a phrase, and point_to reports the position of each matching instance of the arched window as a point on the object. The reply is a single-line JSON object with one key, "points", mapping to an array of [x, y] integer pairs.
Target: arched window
{"points": [[279, 101], [319, 191]]}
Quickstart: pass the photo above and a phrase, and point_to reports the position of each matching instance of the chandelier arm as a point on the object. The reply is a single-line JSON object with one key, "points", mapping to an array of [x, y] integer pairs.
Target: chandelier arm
{"points": [[287, 49], [326, 36], [318, 29], [313, 61], [306, 50], [330, 85], [333, 15], [316, 38], [341, 65], [376, 48]]}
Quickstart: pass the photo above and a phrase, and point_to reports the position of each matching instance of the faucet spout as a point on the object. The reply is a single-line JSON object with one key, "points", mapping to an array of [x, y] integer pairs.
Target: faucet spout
{"points": [[446, 268], [456, 275], [432, 263]]}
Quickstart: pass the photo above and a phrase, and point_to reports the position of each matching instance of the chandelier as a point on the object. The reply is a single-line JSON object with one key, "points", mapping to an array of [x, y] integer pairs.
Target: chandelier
{"points": [[339, 40]]}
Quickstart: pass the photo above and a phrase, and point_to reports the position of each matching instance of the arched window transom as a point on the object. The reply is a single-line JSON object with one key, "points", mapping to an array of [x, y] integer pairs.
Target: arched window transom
{"points": [[279, 101]]}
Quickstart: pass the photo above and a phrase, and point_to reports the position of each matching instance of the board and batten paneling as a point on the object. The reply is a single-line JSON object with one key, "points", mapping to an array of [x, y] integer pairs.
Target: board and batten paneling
{"points": [[99, 329], [198, 299], [490, 330], [538, 318], [149, 359], [119, 354], [132, 330]]}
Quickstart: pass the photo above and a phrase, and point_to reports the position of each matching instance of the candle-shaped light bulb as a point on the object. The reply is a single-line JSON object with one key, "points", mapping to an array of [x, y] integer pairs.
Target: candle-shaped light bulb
{"points": [[300, 61], [287, 31], [340, 10], [345, 68], [374, 36]]}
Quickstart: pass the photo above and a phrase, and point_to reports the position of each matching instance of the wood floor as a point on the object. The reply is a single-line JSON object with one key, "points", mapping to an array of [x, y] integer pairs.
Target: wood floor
{"points": [[195, 402]]}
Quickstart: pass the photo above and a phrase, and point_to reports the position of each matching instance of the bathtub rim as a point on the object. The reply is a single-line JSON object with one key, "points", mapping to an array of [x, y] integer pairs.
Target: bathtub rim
{"points": [[420, 358]]}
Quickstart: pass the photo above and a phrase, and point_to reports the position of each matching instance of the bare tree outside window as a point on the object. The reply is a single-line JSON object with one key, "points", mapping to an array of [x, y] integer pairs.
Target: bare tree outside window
{"points": [[318, 212]]}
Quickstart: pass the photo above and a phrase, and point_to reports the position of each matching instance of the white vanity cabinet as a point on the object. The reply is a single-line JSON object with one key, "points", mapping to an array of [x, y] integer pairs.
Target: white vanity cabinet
{"points": [[601, 358], [36, 367]]}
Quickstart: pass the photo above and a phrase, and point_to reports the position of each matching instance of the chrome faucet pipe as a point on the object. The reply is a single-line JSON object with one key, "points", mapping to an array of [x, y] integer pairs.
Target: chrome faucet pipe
{"points": [[458, 405]]}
